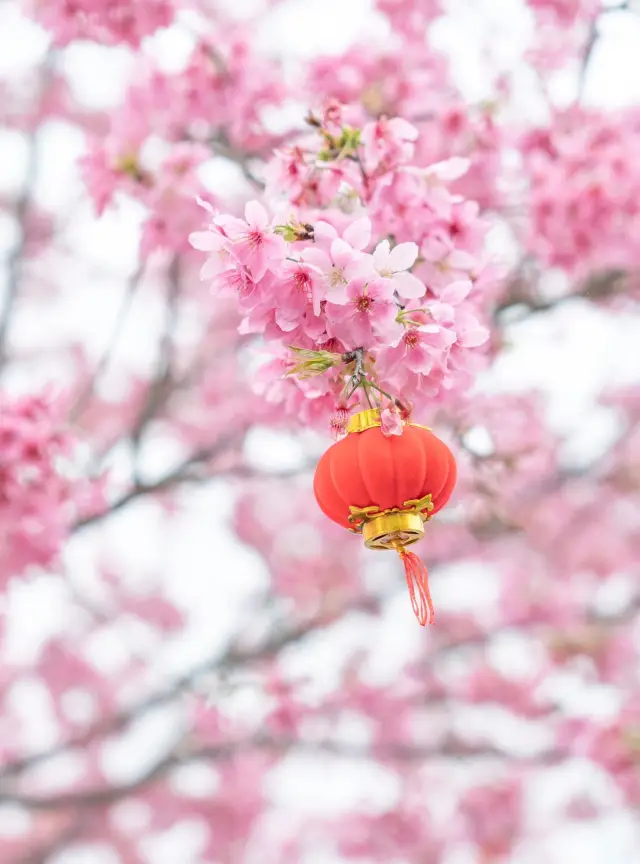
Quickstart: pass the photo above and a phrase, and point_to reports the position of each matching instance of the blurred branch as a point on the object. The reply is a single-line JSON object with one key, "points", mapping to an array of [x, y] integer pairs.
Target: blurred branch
{"points": [[599, 286], [161, 385], [15, 259], [83, 401], [621, 7], [231, 658], [235, 657], [224, 148], [46, 851], [401, 753], [182, 473], [592, 41]]}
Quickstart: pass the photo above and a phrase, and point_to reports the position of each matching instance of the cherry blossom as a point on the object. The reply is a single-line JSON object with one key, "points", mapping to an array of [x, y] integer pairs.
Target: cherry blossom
{"points": [[393, 264], [255, 246], [40, 488], [391, 422], [102, 20]]}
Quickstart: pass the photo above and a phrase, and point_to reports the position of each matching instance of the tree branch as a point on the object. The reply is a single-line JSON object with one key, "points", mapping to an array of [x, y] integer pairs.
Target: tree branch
{"points": [[15, 258], [223, 148], [83, 401], [394, 753], [600, 286], [180, 474], [232, 658]]}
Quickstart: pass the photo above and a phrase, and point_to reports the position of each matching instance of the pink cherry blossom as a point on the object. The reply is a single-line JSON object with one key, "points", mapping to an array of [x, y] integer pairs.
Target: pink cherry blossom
{"points": [[392, 264], [418, 349], [104, 21], [39, 494], [332, 270], [391, 422], [363, 313], [566, 12], [388, 143], [338, 422], [254, 245], [336, 259]]}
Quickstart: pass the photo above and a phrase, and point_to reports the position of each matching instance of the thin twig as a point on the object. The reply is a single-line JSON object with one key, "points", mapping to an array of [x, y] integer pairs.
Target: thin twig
{"points": [[159, 388], [180, 474], [223, 148], [85, 397]]}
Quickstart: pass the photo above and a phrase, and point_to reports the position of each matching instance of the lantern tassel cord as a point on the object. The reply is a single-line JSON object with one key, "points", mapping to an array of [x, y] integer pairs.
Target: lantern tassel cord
{"points": [[418, 585]]}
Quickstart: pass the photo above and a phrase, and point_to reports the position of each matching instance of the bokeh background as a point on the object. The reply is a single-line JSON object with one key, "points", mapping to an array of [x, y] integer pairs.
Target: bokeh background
{"points": [[205, 671]]}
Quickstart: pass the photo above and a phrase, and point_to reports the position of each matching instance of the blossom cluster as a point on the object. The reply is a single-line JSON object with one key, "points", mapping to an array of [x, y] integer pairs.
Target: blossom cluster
{"points": [[613, 744], [282, 522], [37, 494], [566, 13], [584, 183], [394, 82], [171, 124], [109, 22], [399, 279]]}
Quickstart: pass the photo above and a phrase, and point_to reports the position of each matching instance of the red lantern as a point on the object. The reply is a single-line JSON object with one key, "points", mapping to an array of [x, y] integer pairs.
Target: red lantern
{"points": [[386, 488]]}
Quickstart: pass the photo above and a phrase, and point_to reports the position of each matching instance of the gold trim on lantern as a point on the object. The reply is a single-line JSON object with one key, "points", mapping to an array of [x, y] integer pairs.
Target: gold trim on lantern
{"points": [[393, 530], [364, 420], [417, 506], [370, 419]]}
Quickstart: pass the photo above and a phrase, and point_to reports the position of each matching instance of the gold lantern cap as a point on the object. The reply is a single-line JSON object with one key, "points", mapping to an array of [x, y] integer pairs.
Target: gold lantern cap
{"points": [[369, 419], [364, 420]]}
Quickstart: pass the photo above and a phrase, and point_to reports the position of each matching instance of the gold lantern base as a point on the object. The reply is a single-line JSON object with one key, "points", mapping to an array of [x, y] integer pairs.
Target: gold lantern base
{"points": [[392, 530]]}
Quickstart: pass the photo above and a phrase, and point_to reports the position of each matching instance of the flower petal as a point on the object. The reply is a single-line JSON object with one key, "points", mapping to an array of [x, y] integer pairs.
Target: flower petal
{"points": [[256, 215], [231, 225], [403, 129], [361, 267], [358, 235], [473, 337], [381, 255], [408, 286], [341, 252], [403, 256], [338, 295], [461, 260], [391, 422], [456, 292], [205, 205], [317, 259], [286, 319], [205, 241], [215, 265], [324, 232], [450, 169]]}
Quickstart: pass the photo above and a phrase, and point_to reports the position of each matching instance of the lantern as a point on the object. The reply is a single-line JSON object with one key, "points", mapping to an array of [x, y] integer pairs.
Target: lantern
{"points": [[386, 488]]}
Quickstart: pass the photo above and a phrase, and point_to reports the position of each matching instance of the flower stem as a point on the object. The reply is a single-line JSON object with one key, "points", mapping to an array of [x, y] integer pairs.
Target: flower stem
{"points": [[365, 387], [398, 402], [380, 390]]}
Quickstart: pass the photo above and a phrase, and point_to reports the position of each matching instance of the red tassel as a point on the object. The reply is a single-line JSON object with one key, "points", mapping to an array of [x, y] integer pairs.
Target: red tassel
{"points": [[418, 585]]}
